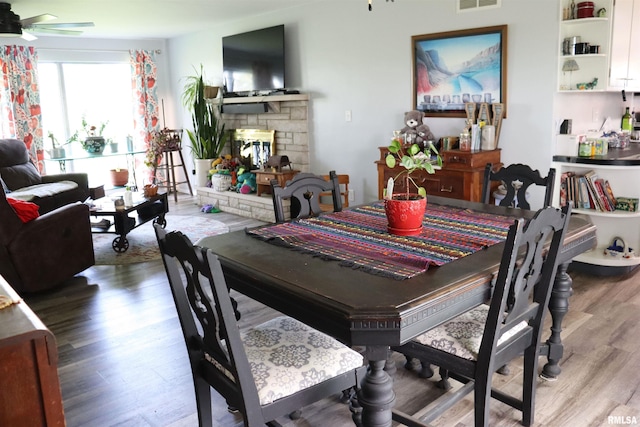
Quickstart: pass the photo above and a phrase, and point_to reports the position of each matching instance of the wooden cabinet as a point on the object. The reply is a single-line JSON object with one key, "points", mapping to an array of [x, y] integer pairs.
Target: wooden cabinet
{"points": [[263, 179], [460, 177], [597, 32], [29, 385], [625, 50]]}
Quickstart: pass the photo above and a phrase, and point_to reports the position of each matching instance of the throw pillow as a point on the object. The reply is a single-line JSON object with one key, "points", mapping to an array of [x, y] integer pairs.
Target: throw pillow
{"points": [[26, 211]]}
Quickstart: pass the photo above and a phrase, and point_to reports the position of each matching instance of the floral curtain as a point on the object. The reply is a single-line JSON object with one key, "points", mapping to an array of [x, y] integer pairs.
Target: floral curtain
{"points": [[20, 115], [143, 82]]}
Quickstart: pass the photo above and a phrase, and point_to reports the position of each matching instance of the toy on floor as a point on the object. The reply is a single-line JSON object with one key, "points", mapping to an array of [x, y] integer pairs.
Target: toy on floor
{"points": [[210, 209]]}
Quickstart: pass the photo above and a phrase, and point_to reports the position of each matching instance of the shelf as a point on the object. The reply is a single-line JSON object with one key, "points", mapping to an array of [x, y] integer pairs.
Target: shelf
{"points": [[619, 214], [273, 101], [597, 257], [584, 55], [583, 20]]}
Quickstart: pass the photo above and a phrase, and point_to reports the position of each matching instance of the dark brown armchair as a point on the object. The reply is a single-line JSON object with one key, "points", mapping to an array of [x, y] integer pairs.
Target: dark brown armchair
{"points": [[42, 253]]}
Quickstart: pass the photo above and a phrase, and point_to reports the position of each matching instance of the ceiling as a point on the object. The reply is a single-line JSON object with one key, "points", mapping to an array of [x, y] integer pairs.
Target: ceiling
{"points": [[148, 19]]}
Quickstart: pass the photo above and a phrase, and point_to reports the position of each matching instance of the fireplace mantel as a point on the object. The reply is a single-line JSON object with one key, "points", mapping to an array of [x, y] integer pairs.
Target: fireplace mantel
{"points": [[273, 101]]}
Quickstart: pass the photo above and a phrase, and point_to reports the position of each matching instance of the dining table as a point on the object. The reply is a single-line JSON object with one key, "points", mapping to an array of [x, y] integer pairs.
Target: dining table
{"points": [[369, 289]]}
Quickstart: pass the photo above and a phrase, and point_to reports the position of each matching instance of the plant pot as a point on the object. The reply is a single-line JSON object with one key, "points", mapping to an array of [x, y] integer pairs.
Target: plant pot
{"points": [[119, 177], [58, 153], [210, 92], [94, 145], [203, 166], [404, 216]]}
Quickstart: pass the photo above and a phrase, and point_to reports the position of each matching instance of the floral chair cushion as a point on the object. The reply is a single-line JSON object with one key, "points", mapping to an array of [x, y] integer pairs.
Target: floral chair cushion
{"points": [[287, 356], [462, 335]]}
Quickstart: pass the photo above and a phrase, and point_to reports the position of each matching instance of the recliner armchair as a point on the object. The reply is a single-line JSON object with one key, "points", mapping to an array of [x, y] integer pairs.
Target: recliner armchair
{"points": [[20, 176], [46, 251]]}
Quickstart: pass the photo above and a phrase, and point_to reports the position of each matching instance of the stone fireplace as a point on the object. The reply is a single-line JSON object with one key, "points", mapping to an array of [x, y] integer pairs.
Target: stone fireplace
{"points": [[287, 116]]}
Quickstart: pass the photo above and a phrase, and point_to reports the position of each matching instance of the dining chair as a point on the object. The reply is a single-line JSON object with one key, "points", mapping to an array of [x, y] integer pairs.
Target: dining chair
{"points": [[517, 178], [304, 192], [472, 346], [265, 371]]}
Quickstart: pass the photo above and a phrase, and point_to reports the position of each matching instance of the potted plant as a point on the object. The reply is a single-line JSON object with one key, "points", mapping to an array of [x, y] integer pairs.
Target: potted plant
{"points": [[405, 210], [94, 142], [208, 137], [190, 88], [57, 149]]}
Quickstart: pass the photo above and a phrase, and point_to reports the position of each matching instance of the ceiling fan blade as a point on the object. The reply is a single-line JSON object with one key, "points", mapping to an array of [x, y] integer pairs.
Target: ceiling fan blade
{"points": [[63, 25], [28, 36], [55, 31], [35, 19]]}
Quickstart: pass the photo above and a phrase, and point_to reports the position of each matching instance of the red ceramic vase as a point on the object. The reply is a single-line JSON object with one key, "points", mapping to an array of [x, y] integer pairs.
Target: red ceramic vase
{"points": [[404, 216]]}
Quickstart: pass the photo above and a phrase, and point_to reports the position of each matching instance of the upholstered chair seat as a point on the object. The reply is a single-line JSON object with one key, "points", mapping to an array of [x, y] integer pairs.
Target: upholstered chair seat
{"points": [[287, 356], [462, 335]]}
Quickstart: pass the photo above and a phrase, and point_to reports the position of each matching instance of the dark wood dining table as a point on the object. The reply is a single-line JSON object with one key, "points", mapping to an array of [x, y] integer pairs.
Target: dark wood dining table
{"points": [[363, 309]]}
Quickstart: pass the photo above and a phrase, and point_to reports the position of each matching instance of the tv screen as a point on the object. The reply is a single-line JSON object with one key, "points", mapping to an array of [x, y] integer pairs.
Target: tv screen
{"points": [[254, 61]]}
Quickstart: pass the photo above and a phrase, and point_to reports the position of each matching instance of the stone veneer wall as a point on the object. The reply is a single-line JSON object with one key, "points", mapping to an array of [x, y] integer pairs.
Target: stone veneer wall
{"points": [[291, 126], [290, 122]]}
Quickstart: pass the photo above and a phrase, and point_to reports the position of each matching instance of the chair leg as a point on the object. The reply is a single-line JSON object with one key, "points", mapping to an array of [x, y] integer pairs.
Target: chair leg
{"points": [[529, 385], [186, 174], [482, 399], [444, 380], [203, 402], [296, 414], [504, 370]]}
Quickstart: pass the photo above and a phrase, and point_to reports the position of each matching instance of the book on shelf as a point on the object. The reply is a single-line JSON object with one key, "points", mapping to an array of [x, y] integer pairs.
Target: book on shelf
{"points": [[601, 193], [609, 193], [591, 177], [584, 202]]}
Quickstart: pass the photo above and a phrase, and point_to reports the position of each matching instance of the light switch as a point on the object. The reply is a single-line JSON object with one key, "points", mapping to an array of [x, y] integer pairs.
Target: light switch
{"points": [[347, 116]]}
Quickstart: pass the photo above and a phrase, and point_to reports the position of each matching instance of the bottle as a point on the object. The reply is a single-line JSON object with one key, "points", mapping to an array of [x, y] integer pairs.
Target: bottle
{"points": [[627, 122]]}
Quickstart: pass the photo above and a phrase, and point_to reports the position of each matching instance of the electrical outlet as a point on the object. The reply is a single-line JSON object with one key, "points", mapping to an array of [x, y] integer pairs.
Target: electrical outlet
{"points": [[193, 171], [595, 116], [352, 196]]}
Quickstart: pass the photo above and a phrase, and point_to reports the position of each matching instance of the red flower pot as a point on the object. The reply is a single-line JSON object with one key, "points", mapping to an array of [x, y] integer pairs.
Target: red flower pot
{"points": [[404, 216]]}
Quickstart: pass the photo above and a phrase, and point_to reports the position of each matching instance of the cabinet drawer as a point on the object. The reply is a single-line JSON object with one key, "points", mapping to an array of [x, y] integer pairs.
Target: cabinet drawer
{"points": [[456, 159], [445, 186], [265, 178]]}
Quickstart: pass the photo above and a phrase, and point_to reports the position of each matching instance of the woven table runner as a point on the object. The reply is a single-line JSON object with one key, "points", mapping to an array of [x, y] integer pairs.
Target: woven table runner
{"points": [[358, 238]]}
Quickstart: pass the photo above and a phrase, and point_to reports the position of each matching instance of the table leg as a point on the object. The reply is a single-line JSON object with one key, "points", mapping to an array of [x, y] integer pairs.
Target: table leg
{"points": [[376, 397], [558, 306]]}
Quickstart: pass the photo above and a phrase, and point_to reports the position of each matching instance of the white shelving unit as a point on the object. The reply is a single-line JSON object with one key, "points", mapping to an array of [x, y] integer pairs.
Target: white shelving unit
{"points": [[623, 176], [595, 31]]}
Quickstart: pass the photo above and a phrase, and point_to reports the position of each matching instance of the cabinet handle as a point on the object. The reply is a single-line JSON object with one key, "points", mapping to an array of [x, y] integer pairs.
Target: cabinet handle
{"points": [[446, 190], [456, 159]]}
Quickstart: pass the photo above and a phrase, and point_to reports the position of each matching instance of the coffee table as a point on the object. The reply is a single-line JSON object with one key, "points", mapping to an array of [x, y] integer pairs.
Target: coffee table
{"points": [[143, 210]]}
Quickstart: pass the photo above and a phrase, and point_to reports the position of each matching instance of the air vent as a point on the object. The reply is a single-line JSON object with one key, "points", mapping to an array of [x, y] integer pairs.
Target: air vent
{"points": [[469, 5]]}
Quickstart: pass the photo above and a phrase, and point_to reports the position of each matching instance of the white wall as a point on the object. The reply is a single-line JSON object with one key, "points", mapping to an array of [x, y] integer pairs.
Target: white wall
{"points": [[347, 58]]}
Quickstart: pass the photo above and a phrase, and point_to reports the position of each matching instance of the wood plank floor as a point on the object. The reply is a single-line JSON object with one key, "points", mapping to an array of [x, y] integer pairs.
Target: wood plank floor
{"points": [[123, 360]]}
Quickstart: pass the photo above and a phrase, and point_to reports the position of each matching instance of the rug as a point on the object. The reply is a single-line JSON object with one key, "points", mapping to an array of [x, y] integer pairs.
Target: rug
{"points": [[143, 246]]}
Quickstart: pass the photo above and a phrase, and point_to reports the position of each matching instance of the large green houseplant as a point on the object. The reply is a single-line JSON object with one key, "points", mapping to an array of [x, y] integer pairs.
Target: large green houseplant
{"points": [[405, 210], [208, 137]]}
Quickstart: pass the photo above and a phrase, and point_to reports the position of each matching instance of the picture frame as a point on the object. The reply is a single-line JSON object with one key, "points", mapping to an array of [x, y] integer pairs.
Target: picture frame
{"points": [[454, 67]]}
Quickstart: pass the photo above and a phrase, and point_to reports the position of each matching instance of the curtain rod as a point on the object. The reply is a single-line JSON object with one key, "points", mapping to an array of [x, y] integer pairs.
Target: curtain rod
{"points": [[156, 51]]}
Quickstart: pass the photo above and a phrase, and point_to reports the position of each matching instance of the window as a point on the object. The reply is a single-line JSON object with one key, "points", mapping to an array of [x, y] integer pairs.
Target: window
{"points": [[99, 93]]}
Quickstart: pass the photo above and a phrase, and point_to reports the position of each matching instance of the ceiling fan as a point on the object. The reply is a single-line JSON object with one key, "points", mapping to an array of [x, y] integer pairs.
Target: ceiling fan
{"points": [[12, 26]]}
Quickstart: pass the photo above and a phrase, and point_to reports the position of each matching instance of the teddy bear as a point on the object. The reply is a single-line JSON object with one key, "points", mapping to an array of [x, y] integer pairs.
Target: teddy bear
{"points": [[246, 183], [412, 119], [424, 134]]}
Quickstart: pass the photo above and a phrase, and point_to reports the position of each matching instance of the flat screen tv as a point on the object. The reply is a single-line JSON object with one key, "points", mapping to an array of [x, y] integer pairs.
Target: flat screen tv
{"points": [[254, 61]]}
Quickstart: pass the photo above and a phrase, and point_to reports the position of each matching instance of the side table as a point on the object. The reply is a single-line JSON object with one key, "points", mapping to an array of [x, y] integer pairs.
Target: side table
{"points": [[263, 179]]}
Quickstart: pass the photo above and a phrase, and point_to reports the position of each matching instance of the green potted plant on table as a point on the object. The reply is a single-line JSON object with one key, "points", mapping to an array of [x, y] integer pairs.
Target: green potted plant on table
{"points": [[208, 137], [405, 210]]}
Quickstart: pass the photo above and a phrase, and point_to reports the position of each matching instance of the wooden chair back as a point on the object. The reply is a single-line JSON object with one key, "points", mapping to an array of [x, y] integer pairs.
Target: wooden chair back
{"points": [[216, 355], [343, 180], [517, 178], [304, 192]]}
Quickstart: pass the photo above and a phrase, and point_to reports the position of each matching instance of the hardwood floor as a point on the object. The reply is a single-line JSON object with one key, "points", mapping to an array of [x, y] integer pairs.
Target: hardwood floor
{"points": [[123, 360]]}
